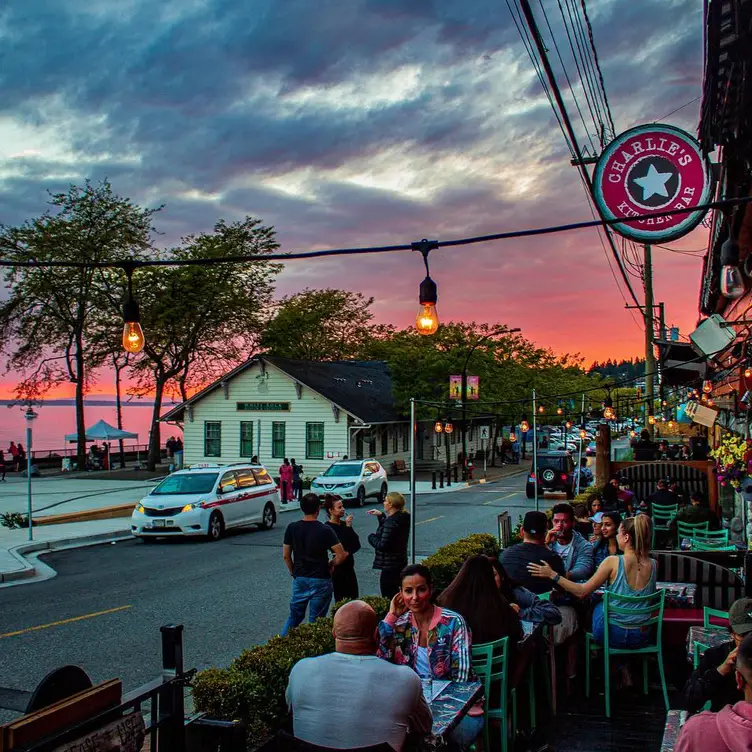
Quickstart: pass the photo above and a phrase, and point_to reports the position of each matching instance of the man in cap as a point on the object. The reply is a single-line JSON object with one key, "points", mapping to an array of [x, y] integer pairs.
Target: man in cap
{"points": [[351, 698], [532, 550], [714, 680]]}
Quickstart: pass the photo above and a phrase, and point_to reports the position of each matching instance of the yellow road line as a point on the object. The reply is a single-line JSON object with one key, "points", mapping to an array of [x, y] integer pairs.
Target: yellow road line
{"points": [[65, 621], [430, 519], [500, 498]]}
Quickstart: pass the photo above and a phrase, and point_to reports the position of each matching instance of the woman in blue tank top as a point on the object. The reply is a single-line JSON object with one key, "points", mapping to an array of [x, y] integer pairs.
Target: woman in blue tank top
{"points": [[633, 573]]}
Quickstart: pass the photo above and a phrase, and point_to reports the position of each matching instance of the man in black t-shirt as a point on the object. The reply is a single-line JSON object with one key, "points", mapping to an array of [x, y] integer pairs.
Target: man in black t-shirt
{"points": [[532, 550], [306, 553]]}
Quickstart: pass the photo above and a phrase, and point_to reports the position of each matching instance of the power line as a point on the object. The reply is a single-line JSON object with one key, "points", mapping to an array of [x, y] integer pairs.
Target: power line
{"points": [[673, 112], [534, 232]]}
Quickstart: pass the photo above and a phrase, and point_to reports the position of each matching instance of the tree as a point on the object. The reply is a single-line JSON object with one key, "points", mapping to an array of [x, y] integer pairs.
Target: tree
{"points": [[47, 322], [319, 325], [203, 319]]}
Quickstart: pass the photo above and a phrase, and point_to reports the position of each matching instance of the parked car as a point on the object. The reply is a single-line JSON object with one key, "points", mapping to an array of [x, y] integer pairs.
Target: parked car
{"points": [[205, 500], [555, 474], [353, 480]]}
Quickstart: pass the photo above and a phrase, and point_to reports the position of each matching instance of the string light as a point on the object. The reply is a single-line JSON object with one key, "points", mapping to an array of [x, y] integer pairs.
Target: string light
{"points": [[651, 420], [707, 386], [133, 334], [438, 426], [541, 409], [448, 427], [524, 426], [513, 437], [427, 320]]}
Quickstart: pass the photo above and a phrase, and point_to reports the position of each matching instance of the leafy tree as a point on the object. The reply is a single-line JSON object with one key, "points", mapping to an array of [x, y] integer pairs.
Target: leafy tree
{"points": [[201, 320], [49, 318], [319, 325]]}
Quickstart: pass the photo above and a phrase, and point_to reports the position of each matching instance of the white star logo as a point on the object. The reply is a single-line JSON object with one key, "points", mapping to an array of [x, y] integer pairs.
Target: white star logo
{"points": [[654, 183]]}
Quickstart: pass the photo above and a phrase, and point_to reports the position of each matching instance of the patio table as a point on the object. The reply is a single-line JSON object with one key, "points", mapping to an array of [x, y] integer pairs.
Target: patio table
{"points": [[674, 721], [449, 708], [710, 637]]}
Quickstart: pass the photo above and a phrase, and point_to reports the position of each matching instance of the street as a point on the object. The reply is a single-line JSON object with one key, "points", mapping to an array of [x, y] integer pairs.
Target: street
{"points": [[104, 609]]}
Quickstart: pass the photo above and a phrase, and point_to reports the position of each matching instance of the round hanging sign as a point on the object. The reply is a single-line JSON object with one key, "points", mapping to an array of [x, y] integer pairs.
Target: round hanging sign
{"points": [[648, 169]]}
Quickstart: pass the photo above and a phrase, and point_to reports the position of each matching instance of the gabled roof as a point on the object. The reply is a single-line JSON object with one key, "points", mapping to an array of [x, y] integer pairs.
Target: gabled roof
{"points": [[361, 388]]}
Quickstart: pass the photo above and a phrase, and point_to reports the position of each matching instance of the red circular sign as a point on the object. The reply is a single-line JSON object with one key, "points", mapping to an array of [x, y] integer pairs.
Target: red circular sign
{"points": [[650, 169]]}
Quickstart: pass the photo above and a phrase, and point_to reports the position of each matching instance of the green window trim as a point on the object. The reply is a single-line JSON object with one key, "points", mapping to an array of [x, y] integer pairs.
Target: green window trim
{"points": [[314, 441], [278, 439], [212, 438], [246, 438]]}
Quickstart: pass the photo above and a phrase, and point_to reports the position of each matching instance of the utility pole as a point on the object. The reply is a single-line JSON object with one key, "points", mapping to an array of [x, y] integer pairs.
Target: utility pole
{"points": [[649, 352]]}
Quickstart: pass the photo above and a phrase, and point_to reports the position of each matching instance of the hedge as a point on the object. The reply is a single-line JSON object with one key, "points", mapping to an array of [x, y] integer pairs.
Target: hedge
{"points": [[252, 688]]}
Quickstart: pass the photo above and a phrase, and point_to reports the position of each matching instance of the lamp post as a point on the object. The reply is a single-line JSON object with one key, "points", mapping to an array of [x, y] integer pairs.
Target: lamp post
{"points": [[463, 394], [30, 418]]}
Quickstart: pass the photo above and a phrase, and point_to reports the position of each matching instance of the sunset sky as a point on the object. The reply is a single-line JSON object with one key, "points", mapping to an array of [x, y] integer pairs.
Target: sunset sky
{"points": [[352, 123]]}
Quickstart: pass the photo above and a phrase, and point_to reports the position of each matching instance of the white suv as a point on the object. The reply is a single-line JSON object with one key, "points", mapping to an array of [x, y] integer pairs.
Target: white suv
{"points": [[353, 480], [205, 500]]}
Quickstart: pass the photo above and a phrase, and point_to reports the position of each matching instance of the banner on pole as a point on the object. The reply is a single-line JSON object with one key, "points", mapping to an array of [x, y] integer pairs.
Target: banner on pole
{"points": [[473, 387], [455, 387]]}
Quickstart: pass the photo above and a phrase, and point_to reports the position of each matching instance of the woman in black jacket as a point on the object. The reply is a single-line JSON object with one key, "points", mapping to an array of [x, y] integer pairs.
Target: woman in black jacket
{"points": [[344, 579], [390, 542]]}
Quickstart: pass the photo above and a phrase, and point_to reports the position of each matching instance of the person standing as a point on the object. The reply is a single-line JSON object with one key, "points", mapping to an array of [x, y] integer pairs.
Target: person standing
{"points": [[170, 446], [2, 466], [285, 481], [20, 457], [178, 452], [305, 550], [13, 451], [344, 579], [297, 480], [390, 542]]}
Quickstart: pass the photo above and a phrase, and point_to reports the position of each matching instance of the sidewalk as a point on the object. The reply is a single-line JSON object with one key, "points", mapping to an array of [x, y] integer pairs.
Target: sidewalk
{"points": [[423, 485]]}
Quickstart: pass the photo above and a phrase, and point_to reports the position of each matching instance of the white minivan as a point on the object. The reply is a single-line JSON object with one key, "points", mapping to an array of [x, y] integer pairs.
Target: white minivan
{"points": [[205, 500]]}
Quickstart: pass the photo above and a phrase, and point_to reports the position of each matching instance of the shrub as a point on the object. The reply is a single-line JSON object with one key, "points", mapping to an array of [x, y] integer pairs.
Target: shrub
{"points": [[14, 520], [447, 560], [252, 688]]}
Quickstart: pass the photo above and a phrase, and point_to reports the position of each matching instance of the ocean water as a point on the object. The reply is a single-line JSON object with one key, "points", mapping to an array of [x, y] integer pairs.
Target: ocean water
{"points": [[55, 421]]}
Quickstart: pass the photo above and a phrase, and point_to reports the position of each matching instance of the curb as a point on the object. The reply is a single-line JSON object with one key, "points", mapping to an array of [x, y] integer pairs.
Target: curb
{"points": [[29, 570], [87, 515]]}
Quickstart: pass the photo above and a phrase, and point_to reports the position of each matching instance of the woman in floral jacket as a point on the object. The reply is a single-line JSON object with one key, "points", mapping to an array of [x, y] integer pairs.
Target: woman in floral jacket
{"points": [[435, 642]]}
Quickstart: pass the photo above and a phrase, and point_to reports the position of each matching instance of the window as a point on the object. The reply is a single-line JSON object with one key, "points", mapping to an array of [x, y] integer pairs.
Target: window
{"points": [[262, 476], [228, 483], [246, 479], [405, 438], [384, 441], [212, 438], [278, 440], [246, 438], [314, 441], [395, 439]]}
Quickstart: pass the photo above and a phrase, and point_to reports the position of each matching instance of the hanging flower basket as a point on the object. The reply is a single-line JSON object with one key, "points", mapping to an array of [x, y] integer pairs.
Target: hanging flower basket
{"points": [[732, 460]]}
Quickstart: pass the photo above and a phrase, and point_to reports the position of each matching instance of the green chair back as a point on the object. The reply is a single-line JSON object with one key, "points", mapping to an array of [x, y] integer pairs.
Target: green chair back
{"points": [[707, 613], [690, 529], [663, 514], [712, 536], [545, 596], [491, 663], [701, 545]]}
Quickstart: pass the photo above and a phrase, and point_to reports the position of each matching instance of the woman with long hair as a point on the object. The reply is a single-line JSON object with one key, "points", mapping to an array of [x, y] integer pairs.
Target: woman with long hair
{"points": [[473, 594], [432, 640], [604, 542], [344, 579], [633, 573], [528, 605]]}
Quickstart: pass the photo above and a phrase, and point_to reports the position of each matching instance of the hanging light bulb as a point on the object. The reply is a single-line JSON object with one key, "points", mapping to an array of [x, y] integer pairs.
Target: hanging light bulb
{"points": [[448, 427], [541, 409], [427, 320], [524, 426], [633, 434], [704, 398], [651, 420], [133, 334], [438, 426], [560, 411], [664, 403], [671, 424], [513, 437], [732, 284], [710, 402], [747, 372], [568, 424], [583, 433], [707, 386]]}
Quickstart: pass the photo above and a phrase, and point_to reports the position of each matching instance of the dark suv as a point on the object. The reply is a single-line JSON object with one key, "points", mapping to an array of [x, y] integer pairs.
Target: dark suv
{"points": [[555, 474]]}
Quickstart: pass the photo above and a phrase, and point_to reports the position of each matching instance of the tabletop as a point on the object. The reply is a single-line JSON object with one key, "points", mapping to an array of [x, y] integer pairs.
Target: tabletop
{"points": [[706, 637], [674, 721], [451, 706]]}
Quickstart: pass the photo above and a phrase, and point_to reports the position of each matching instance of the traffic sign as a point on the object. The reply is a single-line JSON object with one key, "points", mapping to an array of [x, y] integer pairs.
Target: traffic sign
{"points": [[648, 169], [485, 433]]}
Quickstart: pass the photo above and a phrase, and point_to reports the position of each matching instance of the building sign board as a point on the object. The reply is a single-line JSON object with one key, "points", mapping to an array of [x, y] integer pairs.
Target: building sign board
{"points": [[698, 413], [648, 169], [263, 407]]}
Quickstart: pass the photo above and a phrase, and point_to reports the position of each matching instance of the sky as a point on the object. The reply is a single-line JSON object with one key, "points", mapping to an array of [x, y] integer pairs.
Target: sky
{"points": [[354, 123]]}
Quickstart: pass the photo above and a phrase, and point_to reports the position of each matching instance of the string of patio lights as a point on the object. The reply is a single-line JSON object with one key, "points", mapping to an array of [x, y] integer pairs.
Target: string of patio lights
{"points": [[426, 321]]}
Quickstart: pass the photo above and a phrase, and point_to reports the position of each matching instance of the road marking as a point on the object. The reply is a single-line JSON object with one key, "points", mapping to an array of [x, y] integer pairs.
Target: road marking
{"points": [[430, 519], [500, 498], [65, 621]]}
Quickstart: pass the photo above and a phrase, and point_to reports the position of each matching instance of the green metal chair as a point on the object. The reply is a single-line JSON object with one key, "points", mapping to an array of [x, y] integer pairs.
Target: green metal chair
{"points": [[550, 675], [697, 544], [614, 607], [689, 530], [491, 664], [699, 647], [662, 516], [712, 536]]}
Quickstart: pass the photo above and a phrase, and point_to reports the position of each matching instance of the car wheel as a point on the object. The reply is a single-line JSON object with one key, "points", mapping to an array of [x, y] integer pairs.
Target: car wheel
{"points": [[383, 493], [360, 500], [269, 518], [216, 527]]}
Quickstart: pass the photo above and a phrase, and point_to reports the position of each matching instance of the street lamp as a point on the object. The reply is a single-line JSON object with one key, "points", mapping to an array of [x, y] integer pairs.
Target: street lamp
{"points": [[30, 418], [463, 395]]}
